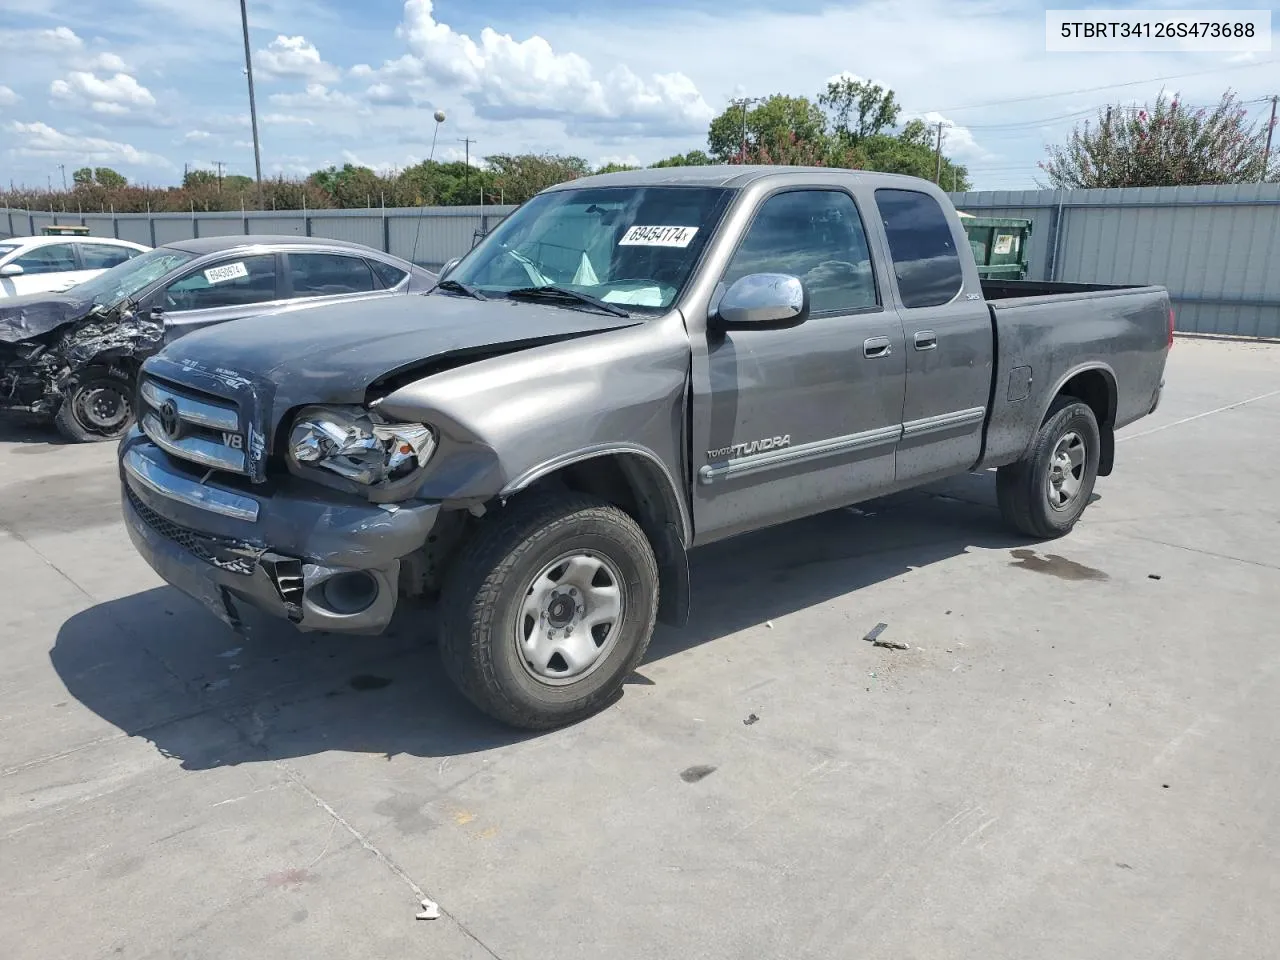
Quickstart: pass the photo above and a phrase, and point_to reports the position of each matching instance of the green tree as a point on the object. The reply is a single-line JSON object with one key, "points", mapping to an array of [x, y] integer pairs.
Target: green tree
{"points": [[615, 168], [518, 177], [108, 178], [82, 177], [776, 118], [858, 109], [199, 178], [694, 158], [1163, 145], [912, 151]]}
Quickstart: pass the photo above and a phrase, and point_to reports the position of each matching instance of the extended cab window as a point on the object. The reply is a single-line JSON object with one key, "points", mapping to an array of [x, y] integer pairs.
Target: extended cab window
{"points": [[388, 274], [815, 235], [50, 258], [327, 274], [230, 283], [923, 250], [100, 256]]}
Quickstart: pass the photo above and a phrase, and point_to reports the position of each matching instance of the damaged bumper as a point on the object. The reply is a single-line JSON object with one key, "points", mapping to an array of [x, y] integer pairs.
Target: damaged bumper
{"points": [[322, 562]]}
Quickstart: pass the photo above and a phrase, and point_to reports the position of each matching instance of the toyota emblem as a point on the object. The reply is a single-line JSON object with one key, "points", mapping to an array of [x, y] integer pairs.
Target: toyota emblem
{"points": [[169, 421]]}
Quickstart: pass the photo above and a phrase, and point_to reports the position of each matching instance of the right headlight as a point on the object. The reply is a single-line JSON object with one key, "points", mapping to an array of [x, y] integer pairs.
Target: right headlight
{"points": [[357, 444]]}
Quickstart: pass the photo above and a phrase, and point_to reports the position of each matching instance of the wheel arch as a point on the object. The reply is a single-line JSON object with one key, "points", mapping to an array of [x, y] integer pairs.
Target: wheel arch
{"points": [[635, 480], [1093, 384]]}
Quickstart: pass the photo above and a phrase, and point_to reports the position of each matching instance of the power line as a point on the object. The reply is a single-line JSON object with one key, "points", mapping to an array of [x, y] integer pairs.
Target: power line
{"points": [[1110, 86]]}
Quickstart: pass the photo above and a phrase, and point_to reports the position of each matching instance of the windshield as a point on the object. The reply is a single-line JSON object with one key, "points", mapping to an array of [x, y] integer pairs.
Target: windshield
{"points": [[126, 280], [7, 248], [632, 246]]}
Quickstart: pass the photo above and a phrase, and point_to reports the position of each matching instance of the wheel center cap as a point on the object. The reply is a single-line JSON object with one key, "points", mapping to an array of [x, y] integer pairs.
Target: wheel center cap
{"points": [[560, 611]]}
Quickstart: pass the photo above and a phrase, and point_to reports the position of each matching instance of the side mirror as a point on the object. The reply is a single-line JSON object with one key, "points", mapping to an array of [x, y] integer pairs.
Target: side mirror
{"points": [[11, 270], [448, 265], [762, 300]]}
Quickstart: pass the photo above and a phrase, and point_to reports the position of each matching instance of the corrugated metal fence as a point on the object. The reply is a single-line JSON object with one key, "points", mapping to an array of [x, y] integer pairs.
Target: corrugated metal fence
{"points": [[1217, 249], [429, 237]]}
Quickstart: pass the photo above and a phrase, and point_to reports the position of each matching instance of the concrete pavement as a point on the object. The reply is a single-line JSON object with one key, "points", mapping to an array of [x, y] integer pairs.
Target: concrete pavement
{"points": [[1079, 756]]}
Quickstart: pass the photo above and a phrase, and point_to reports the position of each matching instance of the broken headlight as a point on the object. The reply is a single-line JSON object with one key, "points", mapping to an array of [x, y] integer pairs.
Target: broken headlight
{"points": [[353, 443]]}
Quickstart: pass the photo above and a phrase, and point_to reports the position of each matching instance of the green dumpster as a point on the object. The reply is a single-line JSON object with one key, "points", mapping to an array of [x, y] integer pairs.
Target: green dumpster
{"points": [[1000, 246]]}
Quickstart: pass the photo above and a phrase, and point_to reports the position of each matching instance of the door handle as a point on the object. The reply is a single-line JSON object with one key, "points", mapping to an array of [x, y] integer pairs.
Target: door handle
{"points": [[926, 340], [873, 348]]}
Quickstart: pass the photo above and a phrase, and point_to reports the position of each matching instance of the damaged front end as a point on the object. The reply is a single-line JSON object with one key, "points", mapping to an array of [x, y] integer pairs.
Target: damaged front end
{"points": [[38, 370]]}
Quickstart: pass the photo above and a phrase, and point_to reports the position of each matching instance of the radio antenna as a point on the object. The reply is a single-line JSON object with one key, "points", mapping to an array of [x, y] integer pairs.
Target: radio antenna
{"points": [[439, 118]]}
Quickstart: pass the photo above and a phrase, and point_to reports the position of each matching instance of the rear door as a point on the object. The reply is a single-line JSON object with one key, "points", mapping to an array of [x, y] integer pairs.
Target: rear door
{"points": [[227, 288], [788, 422], [326, 277], [97, 257], [45, 268], [949, 338]]}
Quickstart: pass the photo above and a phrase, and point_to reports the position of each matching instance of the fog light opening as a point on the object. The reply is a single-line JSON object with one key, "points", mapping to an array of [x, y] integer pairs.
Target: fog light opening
{"points": [[348, 593]]}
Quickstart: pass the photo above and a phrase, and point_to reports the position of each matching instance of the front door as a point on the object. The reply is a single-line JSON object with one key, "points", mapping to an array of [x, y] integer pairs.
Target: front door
{"points": [[788, 422], [219, 291], [949, 339]]}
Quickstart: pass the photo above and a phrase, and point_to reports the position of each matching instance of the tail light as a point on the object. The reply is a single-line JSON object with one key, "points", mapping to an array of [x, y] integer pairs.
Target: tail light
{"points": [[1171, 326]]}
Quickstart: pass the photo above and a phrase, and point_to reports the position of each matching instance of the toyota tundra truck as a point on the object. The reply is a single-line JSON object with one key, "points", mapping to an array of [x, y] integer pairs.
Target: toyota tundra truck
{"points": [[628, 367]]}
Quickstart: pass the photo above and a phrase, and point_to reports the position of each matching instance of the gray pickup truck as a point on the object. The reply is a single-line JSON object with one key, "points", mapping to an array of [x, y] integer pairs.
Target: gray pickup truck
{"points": [[628, 367]]}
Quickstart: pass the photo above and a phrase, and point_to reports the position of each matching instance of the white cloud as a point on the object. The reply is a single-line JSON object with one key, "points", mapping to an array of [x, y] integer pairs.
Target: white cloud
{"points": [[41, 140], [117, 95], [294, 57], [957, 141], [316, 97], [107, 63], [7, 97], [59, 40], [288, 119], [197, 136], [504, 79]]}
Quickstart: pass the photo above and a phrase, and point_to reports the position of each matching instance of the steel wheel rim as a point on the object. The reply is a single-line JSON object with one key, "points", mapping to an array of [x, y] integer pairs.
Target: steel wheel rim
{"points": [[569, 618], [103, 409], [1066, 470]]}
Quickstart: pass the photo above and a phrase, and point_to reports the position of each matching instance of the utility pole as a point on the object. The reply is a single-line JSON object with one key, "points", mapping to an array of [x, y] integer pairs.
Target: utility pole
{"points": [[466, 173], [1271, 129], [937, 176], [63, 168], [253, 109], [219, 164], [744, 102]]}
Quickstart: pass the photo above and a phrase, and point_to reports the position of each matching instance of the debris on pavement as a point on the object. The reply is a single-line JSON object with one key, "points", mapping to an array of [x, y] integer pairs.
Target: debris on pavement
{"points": [[769, 624], [875, 632], [696, 773], [430, 910], [892, 644], [750, 720], [1154, 576]]}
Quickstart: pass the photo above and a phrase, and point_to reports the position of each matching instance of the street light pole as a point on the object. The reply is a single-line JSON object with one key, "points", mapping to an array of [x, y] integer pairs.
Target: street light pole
{"points": [[253, 109], [744, 102], [1271, 129]]}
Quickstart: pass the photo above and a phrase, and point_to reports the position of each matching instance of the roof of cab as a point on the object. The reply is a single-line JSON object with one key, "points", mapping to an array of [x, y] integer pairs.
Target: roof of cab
{"points": [[719, 175]]}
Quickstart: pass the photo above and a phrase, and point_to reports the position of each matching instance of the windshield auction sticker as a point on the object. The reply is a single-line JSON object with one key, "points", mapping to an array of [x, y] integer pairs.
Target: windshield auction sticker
{"points": [[658, 237], [232, 271], [1167, 31]]}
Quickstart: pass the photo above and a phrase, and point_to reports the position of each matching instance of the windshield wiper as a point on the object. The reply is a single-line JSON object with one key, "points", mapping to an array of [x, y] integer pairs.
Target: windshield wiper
{"points": [[459, 287], [552, 292]]}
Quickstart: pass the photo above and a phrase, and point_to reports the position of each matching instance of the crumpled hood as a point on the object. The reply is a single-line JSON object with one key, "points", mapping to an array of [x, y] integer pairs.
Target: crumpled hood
{"points": [[22, 318], [333, 353]]}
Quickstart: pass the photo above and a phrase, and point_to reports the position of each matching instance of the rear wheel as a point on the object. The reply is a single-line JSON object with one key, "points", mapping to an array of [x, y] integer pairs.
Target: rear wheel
{"points": [[97, 405], [1044, 493], [548, 609]]}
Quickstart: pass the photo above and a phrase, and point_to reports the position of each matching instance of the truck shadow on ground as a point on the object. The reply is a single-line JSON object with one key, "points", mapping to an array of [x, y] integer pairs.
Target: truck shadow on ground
{"points": [[158, 666], [38, 435]]}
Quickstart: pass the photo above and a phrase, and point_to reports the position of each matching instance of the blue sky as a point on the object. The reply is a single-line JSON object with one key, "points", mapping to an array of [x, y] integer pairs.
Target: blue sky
{"points": [[146, 86]]}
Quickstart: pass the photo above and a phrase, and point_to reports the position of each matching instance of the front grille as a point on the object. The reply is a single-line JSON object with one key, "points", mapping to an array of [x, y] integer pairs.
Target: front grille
{"points": [[200, 546], [192, 426]]}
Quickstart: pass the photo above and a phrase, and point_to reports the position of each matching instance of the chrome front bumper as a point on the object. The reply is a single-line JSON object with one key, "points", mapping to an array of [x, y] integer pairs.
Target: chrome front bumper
{"points": [[302, 554]]}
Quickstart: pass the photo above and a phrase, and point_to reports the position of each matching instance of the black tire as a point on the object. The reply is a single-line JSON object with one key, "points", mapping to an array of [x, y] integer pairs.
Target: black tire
{"points": [[494, 574], [1023, 489], [97, 405]]}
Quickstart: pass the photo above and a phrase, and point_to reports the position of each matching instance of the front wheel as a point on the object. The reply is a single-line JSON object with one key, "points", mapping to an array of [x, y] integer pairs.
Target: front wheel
{"points": [[548, 609], [97, 405], [1044, 493]]}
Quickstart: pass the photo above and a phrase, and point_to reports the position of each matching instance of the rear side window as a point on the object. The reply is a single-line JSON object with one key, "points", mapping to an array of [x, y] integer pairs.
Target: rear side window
{"points": [[101, 256], [228, 283], [815, 235], [923, 250], [388, 274], [328, 274]]}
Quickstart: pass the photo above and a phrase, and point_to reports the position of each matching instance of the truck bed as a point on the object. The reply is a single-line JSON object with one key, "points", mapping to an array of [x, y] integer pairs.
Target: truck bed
{"points": [[1017, 289]]}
